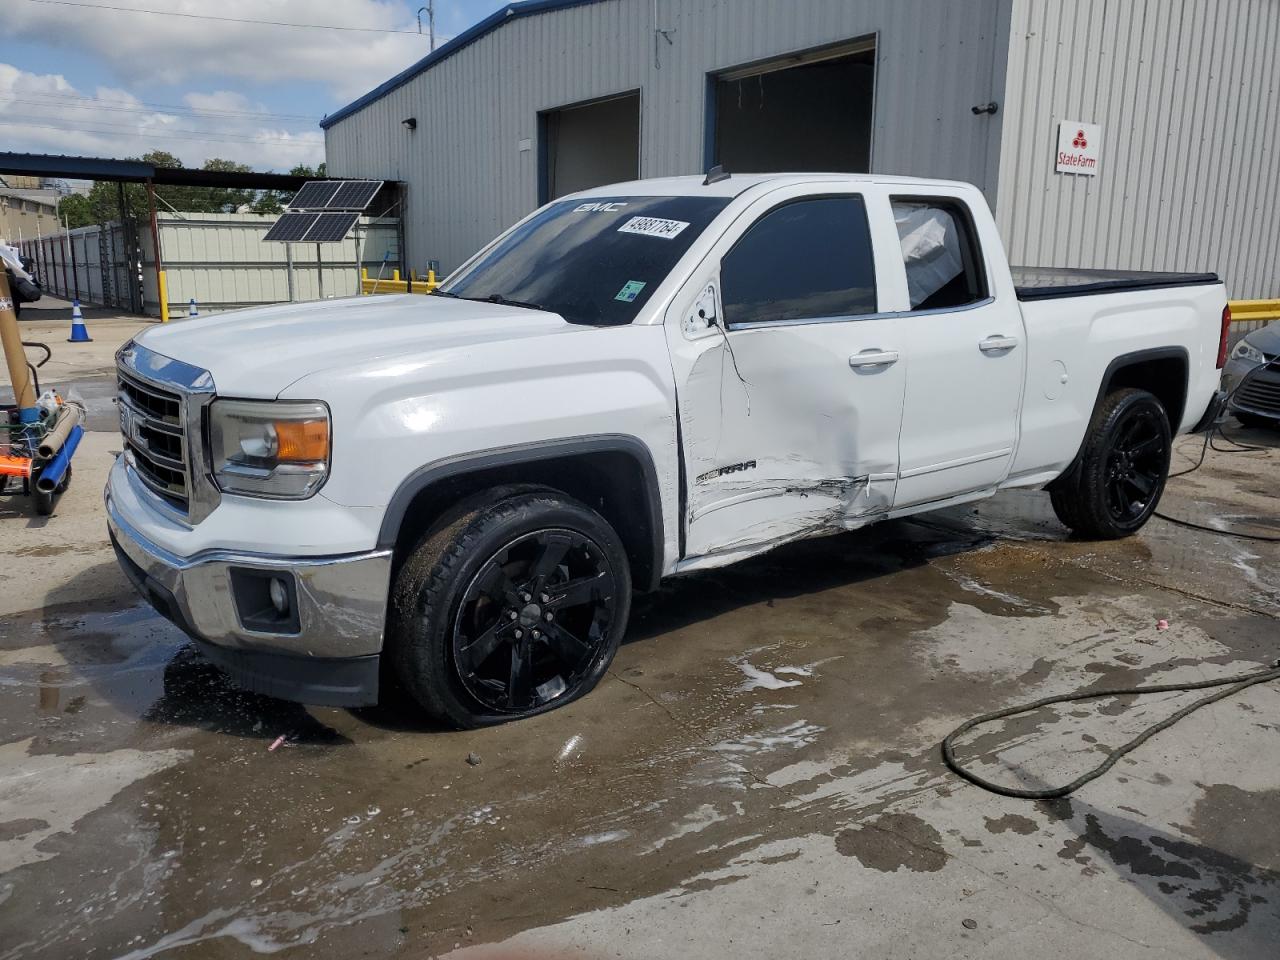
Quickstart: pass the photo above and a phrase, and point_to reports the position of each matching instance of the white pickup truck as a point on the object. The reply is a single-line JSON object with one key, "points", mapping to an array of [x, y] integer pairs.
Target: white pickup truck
{"points": [[458, 493]]}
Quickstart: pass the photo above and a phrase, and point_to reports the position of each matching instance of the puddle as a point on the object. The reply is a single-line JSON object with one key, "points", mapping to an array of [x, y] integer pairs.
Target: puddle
{"points": [[767, 736]]}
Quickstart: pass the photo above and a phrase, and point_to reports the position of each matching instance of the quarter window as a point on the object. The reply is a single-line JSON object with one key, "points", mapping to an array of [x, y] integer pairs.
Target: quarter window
{"points": [[940, 254], [805, 260]]}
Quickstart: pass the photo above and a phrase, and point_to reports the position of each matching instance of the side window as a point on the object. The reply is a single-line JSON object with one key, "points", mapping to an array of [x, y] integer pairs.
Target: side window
{"points": [[940, 253], [801, 261]]}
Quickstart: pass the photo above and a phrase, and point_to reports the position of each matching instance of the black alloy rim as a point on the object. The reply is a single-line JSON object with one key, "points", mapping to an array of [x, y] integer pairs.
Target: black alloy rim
{"points": [[1135, 466], [533, 621]]}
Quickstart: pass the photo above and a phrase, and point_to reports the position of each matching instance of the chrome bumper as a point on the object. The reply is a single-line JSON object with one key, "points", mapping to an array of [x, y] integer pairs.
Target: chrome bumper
{"points": [[341, 608]]}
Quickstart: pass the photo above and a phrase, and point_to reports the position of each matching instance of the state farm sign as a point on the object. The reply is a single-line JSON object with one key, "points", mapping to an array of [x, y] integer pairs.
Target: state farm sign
{"points": [[1079, 147]]}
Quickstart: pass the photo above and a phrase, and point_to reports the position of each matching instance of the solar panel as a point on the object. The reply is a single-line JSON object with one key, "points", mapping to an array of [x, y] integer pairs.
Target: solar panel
{"points": [[331, 227], [291, 226], [314, 195], [354, 195]]}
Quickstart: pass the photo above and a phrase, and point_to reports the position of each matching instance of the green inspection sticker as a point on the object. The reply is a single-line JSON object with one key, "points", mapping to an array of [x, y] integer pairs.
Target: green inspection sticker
{"points": [[630, 290]]}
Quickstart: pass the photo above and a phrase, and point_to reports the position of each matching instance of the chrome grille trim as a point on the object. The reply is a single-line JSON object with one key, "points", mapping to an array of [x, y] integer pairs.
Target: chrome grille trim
{"points": [[162, 403], [123, 399]]}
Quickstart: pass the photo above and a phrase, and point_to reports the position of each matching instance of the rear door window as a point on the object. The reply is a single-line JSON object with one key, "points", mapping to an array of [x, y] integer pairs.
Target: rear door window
{"points": [[940, 253], [805, 260]]}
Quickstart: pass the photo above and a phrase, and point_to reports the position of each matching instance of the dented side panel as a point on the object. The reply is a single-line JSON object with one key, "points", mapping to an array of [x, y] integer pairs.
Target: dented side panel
{"points": [[782, 437], [802, 444]]}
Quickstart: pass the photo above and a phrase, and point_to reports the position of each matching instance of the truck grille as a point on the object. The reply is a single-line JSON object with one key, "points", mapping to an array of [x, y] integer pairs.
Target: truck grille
{"points": [[153, 427], [162, 404], [1262, 391]]}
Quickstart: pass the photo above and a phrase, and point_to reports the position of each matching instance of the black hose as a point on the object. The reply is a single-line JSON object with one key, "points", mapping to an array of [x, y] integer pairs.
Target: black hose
{"points": [[1178, 522], [1235, 685], [1216, 429]]}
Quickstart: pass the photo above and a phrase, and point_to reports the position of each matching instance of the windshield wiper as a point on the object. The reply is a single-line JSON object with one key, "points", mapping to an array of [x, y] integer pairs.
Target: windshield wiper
{"points": [[437, 292], [508, 302]]}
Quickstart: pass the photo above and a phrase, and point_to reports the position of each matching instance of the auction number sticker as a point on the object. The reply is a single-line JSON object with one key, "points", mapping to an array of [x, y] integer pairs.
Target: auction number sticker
{"points": [[653, 227]]}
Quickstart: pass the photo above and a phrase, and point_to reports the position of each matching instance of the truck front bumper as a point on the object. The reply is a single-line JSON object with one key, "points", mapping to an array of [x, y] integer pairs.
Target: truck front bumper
{"points": [[1254, 387], [323, 648]]}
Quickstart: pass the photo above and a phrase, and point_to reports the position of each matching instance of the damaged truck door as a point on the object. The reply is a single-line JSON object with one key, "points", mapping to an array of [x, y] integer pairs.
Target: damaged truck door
{"points": [[791, 389]]}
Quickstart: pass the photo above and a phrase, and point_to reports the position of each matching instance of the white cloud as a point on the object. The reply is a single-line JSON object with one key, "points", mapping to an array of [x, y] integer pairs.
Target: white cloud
{"points": [[43, 113], [143, 48]]}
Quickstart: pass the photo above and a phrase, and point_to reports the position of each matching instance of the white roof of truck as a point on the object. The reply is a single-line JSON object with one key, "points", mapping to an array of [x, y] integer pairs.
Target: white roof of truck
{"points": [[736, 183]]}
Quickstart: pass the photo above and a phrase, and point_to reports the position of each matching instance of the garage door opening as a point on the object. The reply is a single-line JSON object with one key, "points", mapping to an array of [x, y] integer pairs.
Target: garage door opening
{"points": [[589, 144], [805, 111]]}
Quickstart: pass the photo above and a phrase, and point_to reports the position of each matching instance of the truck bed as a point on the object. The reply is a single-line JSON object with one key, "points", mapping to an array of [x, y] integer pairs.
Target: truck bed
{"points": [[1045, 283]]}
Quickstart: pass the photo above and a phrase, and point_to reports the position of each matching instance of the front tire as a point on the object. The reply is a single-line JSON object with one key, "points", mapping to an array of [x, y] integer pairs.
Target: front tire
{"points": [[509, 609], [1116, 483]]}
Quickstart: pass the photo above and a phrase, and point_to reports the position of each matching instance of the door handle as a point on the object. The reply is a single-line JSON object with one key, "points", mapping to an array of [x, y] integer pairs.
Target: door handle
{"points": [[997, 344], [874, 358]]}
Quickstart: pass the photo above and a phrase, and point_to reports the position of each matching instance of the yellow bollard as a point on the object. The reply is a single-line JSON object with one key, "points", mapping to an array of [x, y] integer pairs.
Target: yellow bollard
{"points": [[164, 297]]}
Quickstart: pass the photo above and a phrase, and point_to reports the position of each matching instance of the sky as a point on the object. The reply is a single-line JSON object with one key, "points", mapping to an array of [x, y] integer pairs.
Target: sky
{"points": [[98, 78]]}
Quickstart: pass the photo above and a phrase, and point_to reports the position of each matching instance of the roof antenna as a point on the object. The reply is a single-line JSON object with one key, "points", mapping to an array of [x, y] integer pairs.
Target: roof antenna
{"points": [[715, 175]]}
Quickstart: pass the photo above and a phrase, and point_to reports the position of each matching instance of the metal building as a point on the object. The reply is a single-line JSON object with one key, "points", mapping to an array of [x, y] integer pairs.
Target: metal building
{"points": [[1133, 134]]}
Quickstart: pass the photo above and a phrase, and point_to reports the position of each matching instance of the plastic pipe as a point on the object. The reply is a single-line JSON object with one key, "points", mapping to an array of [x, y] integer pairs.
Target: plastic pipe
{"points": [[68, 418], [56, 468], [15, 357]]}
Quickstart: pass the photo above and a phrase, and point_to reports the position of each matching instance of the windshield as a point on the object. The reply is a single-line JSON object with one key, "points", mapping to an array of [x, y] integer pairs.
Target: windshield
{"points": [[592, 262]]}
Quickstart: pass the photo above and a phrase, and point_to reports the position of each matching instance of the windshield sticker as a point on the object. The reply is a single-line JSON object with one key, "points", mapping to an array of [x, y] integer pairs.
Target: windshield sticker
{"points": [[630, 290], [599, 207], [653, 227]]}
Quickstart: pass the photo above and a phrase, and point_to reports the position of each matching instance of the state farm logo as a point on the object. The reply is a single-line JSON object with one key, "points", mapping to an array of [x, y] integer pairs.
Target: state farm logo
{"points": [[1078, 147]]}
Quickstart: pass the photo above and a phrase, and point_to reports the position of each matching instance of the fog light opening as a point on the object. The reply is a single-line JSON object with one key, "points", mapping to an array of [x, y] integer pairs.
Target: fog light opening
{"points": [[279, 594]]}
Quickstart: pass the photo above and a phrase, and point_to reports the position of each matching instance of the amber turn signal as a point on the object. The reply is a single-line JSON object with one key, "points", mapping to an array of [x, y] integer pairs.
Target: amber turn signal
{"points": [[302, 441]]}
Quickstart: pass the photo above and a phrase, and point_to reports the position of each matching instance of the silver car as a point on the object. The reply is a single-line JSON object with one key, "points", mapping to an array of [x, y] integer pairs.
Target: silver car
{"points": [[1252, 378]]}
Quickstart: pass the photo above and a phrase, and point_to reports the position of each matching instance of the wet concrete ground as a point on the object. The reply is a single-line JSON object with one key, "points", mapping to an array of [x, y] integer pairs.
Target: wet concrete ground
{"points": [[759, 773]]}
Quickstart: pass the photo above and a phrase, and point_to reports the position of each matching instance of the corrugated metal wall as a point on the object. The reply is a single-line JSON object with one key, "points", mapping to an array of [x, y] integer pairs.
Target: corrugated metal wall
{"points": [[221, 260], [71, 265], [468, 178], [1188, 94]]}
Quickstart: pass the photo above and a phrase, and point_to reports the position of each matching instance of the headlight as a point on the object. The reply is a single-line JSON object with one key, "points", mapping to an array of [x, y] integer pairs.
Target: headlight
{"points": [[273, 449], [1246, 351]]}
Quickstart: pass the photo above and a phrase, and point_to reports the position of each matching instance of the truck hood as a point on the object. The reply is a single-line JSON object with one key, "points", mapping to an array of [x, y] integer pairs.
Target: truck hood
{"points": [[256, 353]]}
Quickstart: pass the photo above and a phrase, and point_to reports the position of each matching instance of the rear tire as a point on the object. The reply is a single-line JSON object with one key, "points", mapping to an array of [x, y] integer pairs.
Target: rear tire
{"points": [[1118, 479], [509, 609]]}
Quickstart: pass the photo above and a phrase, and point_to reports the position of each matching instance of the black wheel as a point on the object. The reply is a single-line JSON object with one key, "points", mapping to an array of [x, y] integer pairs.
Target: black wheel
{"points": [[1255, 421], [509, 609], [1117, 482], [45, 501]]}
